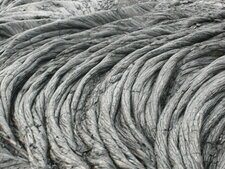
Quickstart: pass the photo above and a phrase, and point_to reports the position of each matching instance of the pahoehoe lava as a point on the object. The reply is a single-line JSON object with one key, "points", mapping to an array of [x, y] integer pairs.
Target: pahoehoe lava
{"points": [[133, 87]]}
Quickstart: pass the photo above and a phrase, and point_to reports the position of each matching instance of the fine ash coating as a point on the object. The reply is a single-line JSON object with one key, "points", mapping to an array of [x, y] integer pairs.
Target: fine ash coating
{"points": [[134, 87]]}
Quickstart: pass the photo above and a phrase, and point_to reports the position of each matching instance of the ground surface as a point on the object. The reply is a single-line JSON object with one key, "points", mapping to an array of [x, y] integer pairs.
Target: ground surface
{"points": [[135, 87]]}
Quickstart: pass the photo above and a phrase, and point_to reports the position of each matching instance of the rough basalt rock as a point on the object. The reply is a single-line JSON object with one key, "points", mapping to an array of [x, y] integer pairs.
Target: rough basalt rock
{"points": [[135, 87]]}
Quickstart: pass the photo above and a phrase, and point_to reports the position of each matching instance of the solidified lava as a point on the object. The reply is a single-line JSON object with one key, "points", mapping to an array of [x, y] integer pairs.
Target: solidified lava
{"points": [[133, 87]]}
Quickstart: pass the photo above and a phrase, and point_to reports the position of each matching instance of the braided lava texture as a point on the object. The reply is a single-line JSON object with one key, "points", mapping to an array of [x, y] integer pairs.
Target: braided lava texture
{"points": [[131, 88]]}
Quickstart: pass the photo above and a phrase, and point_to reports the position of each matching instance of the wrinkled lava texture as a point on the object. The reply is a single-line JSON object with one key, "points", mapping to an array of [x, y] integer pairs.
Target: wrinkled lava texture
{"points": [[133, 87]]}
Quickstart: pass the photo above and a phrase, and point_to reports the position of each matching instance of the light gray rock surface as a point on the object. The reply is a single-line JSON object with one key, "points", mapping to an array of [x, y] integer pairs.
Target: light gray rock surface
{"points": [[134, 87]]}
